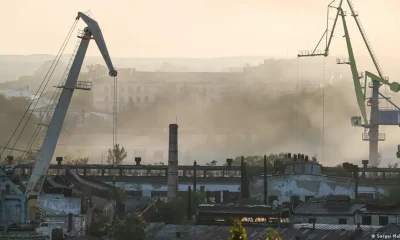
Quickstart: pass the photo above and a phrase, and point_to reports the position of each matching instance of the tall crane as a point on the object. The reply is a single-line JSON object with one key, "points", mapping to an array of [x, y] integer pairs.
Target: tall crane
{"points": [[378, 116], [45, 155]]}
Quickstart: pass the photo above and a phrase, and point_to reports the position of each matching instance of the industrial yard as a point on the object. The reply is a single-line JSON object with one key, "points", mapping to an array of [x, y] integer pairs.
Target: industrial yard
{"points": [[287, 146]]}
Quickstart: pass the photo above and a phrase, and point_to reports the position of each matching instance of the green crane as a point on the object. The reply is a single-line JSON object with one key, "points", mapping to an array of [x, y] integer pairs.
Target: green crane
{"points": [[377, 116]]}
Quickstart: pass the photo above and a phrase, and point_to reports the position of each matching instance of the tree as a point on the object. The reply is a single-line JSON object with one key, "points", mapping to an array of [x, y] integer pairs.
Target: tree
{"points": [[393, 165], [237, 232], [76, 161], [212, 163], [131, 227], [314, 158], [116, 155], [98, 227], [272, 234], [14, 108], [259, 160], [170, 213]]}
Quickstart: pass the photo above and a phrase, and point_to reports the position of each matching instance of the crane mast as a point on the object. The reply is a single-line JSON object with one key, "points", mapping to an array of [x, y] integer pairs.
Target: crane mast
{"points": [[377, 116], [45, 155]]}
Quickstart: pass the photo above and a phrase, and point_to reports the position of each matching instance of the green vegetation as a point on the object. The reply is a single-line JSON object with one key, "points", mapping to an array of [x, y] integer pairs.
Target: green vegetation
{"points": [[237, 231], [116, 155], [76, 161], [174, 212], [98, 227], [12, 110], [132, 227], [272, 234], [212, 163]]}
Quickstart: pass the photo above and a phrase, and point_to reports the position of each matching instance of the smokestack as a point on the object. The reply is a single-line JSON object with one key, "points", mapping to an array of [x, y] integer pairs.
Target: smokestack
{"points": [[194, 176], [289, 155], [229, 162], [245, 193], [295, 157], [173, 162], [365, 166], [59, 160], [10, 159], [138, 160]]}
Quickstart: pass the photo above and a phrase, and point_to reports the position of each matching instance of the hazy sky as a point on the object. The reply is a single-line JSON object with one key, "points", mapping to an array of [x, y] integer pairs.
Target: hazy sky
{"points": [[194, 28]]}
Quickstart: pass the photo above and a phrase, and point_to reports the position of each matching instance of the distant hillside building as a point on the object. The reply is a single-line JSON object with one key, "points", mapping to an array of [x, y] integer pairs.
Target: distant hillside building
{"points": [[144, 87]]}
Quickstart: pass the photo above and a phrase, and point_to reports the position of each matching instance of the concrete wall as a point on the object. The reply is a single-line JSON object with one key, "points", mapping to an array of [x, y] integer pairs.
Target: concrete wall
{"points": [[181, 187], [59, 205], [282, 186], [285, 186]]}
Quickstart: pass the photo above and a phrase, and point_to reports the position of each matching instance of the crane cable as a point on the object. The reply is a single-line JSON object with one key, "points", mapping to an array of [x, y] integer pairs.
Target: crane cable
{"points": [[52, 100], [55, 96], [323, 111], [115, 115], [297, 107], [54, 63]]}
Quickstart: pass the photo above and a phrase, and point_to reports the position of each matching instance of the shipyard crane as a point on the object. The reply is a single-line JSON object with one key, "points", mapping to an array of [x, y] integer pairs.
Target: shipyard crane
{"points": [[45, 155], [378, 116]]}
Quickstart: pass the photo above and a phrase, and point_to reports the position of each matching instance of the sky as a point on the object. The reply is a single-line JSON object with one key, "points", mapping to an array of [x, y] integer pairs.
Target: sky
{"points": [[195, 28]]}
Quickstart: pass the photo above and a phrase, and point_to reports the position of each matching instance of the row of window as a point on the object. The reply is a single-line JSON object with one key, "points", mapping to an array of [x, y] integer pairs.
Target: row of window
{"points": [[122, 99], [130, 89], [365, 220]]}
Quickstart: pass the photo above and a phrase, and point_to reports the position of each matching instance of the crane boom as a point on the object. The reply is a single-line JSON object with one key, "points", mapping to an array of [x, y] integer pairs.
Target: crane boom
{"points": [[43, 159], [324, 53], [365, 38], [352, 62]]}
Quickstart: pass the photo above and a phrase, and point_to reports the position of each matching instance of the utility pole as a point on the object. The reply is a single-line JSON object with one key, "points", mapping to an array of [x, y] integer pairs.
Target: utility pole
{"points": [[265, 181]]}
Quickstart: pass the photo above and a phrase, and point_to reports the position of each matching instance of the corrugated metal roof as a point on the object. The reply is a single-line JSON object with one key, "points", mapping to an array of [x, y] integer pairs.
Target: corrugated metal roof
{"points": [[254, 233], [242, 209], [327, 208]]}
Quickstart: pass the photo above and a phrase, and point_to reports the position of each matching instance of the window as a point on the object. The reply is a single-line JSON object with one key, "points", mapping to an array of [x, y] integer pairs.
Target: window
{"points": [[122, 99], [383, 220], [130, 90], [106, 99], [137, 89], [312, 220], [294, 199], [138, 99], [271, 199], [366, 220], [342, 221], [105, 89], [146, 99]]}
